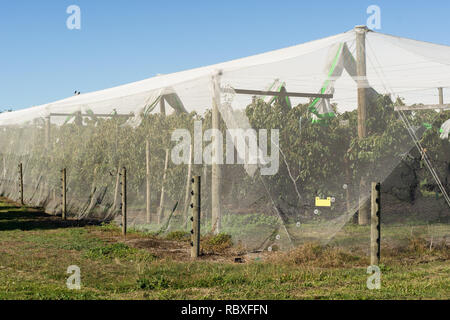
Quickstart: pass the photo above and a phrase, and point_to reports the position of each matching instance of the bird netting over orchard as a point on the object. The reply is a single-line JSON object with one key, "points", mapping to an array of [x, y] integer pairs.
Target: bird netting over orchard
{"points": [[286, 143]]}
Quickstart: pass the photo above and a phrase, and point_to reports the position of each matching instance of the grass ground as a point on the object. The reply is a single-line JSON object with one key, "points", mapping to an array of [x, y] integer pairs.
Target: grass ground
{"points": [[36, 250]]}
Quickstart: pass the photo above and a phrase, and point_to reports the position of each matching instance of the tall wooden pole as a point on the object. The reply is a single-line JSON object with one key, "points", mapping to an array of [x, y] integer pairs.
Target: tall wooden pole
{"points": [[162, 199], [363, 216], [441, 96], [117, 188], [4, 167], [188, 184], [117, 162], [124, 201], [48, 148], [216, 172], [47, 132], [64, 193], [196, 204], [347, 191], [21, 183], [147, 178], [361, 80], [162, 106], [375, 229]]}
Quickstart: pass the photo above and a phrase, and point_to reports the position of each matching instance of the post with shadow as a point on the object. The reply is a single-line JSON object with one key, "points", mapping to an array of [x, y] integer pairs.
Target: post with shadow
{"points": [[124, 201], [64, 194]]}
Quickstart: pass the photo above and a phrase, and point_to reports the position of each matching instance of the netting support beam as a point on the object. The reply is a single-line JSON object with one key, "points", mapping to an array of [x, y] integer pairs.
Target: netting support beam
{"points": [[281, 94], [423, 107], [216, 169], [363, 212], [101, 115]]}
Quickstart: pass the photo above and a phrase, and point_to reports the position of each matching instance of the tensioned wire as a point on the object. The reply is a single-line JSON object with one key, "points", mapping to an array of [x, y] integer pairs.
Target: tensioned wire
{"points": [[419, 145]]}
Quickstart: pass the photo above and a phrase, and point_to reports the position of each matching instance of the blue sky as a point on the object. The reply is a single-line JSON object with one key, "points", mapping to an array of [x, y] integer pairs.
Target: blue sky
{"points": [[123, 41]]}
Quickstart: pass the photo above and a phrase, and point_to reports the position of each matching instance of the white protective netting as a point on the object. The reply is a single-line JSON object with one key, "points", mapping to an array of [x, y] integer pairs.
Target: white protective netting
{"points": [[306, 184]]}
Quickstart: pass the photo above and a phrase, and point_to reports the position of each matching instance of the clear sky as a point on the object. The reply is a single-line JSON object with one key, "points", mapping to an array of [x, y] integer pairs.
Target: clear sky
{"points": [[120, 41]]}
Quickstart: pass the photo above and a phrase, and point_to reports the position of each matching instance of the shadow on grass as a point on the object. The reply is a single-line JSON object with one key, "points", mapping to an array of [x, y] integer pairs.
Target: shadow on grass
{"points": [[30, 220], [21, 214], [4, 207]]}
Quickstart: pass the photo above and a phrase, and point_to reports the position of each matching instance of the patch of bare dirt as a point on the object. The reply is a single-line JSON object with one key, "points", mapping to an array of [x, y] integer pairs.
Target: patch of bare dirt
{"points": [[162, 248]]}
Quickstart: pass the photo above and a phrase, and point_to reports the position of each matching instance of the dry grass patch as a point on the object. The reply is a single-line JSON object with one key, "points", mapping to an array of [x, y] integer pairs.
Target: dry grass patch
{"points": [[418, 250], [316, 255]]}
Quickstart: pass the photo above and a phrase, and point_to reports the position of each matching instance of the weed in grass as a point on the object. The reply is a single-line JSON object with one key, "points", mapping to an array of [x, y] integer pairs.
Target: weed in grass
{"points": [[154, 283], [178, 236], [118, 251], [111, 251], [216, 244], [109, 226]]}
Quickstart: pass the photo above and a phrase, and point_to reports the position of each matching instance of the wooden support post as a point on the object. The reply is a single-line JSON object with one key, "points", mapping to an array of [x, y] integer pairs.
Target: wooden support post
{"points": [[188, 184], [205, 187], [441, 96], [117, 189], [348, 178], [363, 216], [282, 96], [364, 204], [4, 167], [64, 194], [162, 106], [205, 176], [117, 162], [196, 205], [375, 230], [162, 199], [21, 183], [147, 178], [361, 79], [216, 172], [47, 132], [124, 201]]}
